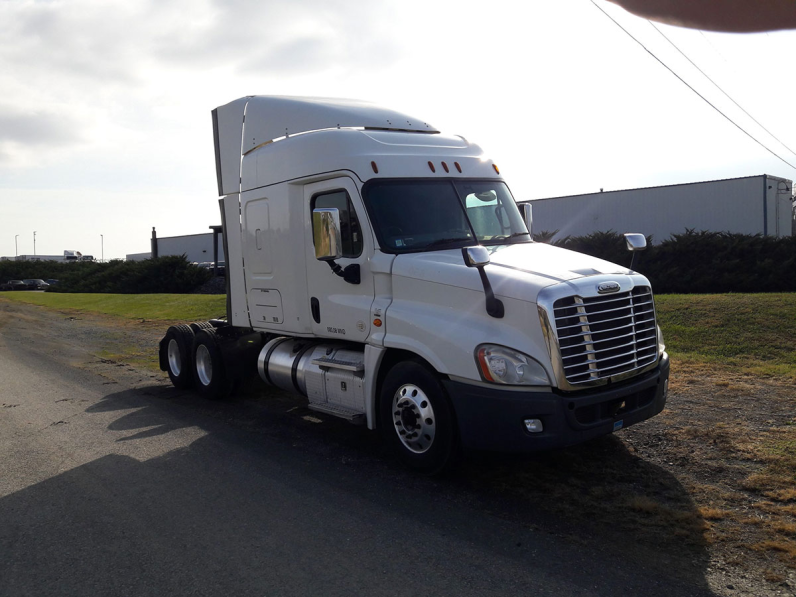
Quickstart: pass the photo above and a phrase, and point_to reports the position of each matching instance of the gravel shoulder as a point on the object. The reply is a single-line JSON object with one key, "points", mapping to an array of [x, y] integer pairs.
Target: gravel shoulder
{"points": [[702, 495]]}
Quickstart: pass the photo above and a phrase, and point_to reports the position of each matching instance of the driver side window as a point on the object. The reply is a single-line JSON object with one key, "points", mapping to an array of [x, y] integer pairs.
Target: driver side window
{"points": [[350, 230]]}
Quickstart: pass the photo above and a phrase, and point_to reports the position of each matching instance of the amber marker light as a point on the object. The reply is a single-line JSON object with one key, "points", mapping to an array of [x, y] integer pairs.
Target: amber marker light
{"points": [[445, 167], [484, 365], [375, 167], [377, 322], [430, 165], [458, 167], [497, 171]]}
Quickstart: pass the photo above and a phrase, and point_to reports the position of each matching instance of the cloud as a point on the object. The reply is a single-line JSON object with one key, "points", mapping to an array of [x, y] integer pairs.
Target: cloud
{"points": [[91, 51], [50, 41], [36, 128], [264, 38]]}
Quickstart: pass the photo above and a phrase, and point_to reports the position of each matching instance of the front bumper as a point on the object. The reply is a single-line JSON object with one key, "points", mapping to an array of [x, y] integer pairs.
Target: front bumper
{"points": [[492, 418]]}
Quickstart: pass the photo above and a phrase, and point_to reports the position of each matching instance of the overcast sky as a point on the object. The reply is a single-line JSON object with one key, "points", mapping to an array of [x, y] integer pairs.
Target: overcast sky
{"points": [[105, 124]]}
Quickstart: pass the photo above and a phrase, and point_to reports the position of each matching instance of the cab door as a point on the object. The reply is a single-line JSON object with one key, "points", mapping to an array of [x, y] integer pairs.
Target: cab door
{"points": [[339, 309]]}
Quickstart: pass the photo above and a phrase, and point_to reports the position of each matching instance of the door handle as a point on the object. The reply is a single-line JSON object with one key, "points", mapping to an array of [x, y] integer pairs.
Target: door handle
{"points": [[315, 307]]}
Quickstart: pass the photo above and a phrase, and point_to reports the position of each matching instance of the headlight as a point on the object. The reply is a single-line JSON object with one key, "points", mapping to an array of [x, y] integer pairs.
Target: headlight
{"points": [[661, 345], [498, 364]]}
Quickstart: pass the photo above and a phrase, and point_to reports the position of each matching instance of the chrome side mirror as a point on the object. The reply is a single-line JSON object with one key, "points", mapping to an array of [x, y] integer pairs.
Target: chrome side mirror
{"points": [[475, 256], [635, 241], [326, 233], [527, 215]]}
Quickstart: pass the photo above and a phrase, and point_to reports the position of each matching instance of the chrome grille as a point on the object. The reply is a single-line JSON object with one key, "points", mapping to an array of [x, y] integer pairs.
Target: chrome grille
{"points": [[608, 335]]}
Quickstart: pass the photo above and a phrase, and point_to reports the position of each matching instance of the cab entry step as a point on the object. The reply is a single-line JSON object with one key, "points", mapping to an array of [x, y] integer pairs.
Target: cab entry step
{"points": [[349, 414], [339, 364]]}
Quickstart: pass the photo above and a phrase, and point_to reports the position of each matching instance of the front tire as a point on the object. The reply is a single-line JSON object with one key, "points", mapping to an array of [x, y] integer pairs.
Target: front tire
{"points": [[416, 418]]}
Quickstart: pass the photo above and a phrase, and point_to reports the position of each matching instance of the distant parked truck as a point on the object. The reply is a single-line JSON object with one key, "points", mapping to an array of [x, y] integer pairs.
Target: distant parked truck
{"points": [[751, 205], [384, 271], [69, 256], [40, 258]]}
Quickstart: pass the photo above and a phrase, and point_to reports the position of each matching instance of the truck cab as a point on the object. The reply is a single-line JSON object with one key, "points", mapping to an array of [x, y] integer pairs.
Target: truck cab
{"points": [[383, 270]]}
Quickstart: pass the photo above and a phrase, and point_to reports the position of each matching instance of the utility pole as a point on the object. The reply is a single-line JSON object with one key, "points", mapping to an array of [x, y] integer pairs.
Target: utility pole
{"points": [[34, 242], [16, 245], [102, 240]]}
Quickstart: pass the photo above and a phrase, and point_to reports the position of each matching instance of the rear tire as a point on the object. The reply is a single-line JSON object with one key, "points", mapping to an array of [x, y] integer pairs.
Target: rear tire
{"points": [[209, 371], [177, 346], [417, 420]]}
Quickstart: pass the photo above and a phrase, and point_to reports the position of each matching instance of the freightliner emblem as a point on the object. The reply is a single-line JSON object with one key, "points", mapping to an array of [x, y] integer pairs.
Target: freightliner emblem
{"points": [[607, 287]]}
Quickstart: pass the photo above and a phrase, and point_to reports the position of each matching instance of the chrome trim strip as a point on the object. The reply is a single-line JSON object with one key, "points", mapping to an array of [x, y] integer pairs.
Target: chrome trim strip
{"points": [[611, 339], [565, 327], [626, 298], [604, 350]]}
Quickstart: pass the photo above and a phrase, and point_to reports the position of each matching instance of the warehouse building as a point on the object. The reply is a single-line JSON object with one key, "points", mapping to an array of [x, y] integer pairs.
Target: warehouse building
{"points": [[206, 249], [751, 205]]}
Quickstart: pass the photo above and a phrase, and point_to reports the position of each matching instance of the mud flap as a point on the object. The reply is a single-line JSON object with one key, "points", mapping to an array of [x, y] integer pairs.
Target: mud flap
{"points": [[162, 356]]}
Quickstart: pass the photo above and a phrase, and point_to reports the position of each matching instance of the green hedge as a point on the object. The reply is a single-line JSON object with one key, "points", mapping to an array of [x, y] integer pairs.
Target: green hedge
{"points": [[172, 274], [692, 262], [700, 262]]}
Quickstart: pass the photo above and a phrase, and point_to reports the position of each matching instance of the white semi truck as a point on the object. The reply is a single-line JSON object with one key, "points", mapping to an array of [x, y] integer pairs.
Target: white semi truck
{"points": [[383, 270]]}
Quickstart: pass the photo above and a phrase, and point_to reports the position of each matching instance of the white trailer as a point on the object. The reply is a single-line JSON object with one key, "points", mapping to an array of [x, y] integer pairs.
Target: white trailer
{"points": [[383, 270], [751, 205], [40, 258]]}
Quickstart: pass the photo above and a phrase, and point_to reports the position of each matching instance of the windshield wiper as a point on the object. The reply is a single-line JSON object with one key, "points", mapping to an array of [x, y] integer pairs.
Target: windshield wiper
{"points": [[502, 238], [445, 241]]}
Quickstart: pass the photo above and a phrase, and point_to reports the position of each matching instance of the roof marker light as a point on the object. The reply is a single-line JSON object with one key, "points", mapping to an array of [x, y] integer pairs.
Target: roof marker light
{"points": [[497, 171], [430, 165], [458, 167], [445, 167], [375, 167]]}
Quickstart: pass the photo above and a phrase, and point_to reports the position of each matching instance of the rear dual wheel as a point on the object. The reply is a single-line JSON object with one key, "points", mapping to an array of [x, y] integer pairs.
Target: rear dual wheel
{"points": [[210, 375], [177, 345]]}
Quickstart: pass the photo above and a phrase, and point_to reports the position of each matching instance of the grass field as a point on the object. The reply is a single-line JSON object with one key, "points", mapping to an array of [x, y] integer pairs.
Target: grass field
{"points": [[749, 333], [152, 307]]}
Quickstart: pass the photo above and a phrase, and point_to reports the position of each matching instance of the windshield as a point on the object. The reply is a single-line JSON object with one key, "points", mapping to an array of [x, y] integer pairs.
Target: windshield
{"points": [[420, 215]]}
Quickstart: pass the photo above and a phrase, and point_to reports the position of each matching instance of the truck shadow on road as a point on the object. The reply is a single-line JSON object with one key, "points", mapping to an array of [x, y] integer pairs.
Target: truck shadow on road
{"points": [[275, 499]]}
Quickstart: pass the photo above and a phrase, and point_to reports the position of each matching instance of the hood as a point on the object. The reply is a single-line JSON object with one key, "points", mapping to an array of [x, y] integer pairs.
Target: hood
{"points": [[516, 271]]}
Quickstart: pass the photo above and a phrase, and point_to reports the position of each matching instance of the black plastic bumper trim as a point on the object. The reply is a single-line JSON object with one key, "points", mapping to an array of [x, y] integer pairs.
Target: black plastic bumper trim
{"points": [[492, 418]]}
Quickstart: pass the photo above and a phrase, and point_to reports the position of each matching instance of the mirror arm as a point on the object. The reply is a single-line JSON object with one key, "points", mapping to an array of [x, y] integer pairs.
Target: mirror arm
{"points": [[494, 306], [349, 273]]}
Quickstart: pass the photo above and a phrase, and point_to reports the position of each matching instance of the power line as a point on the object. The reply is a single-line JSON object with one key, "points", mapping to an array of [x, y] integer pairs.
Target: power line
{"points": [[735, 124], [720, 89]]}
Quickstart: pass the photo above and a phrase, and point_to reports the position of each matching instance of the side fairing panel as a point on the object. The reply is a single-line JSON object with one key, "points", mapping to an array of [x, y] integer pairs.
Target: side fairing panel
{"points": [[227, 130], [239, 315], [274, 260]]}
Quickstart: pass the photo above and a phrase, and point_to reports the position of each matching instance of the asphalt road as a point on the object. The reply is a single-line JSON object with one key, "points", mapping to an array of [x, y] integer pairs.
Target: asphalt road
{"points": [[112, 483]]}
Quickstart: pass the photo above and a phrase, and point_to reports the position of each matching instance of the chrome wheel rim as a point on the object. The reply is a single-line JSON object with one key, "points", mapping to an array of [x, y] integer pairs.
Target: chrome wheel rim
{"points": [[175, 363], [413, 417], [204, 365]]}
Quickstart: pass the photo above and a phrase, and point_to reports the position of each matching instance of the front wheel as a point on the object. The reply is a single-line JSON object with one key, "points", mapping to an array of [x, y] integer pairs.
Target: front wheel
{"points": [[416, 418]]}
